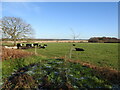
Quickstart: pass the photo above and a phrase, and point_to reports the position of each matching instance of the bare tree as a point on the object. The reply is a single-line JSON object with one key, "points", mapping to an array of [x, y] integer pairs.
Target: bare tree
{"points": [[74, 36], [15, 28]]}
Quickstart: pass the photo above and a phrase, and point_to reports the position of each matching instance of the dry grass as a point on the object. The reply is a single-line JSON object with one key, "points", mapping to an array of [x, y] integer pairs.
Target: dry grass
{"points": [[12, 54], [19, 81]]}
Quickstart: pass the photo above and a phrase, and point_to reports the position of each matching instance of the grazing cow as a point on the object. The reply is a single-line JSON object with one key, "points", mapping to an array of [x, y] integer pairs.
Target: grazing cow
{"points": [[19, 45], [79, 49], [42, 46], [32, 45], [28, 45], [35, 44]]}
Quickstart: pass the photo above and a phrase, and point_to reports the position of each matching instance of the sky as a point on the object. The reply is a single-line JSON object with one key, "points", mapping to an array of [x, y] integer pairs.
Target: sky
{"points": [[58, 20]]}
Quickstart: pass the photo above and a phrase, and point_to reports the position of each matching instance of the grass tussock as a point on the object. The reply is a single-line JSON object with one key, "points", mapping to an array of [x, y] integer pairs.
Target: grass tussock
{"points": [[8, 54], [19, 81]]}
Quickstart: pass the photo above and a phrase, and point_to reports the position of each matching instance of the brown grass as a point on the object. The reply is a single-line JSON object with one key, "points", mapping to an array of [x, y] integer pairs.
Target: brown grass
{"points": [[19, 81], [12, 54]]}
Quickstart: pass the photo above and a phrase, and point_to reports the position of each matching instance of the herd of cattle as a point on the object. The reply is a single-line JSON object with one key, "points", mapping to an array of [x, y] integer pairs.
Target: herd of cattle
{"points": [[26, 46], [43, 46]]}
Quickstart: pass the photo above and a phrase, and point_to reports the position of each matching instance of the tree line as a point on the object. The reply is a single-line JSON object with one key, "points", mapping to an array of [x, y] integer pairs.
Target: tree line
{"points": [[104, 40]]}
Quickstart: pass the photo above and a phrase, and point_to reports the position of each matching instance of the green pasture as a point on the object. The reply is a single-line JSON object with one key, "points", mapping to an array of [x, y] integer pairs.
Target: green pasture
{"points": [[100, 54]]}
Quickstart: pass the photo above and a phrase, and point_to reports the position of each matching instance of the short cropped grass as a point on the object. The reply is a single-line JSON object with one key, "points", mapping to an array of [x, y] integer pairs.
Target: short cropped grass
{"points": [[100, 54]]}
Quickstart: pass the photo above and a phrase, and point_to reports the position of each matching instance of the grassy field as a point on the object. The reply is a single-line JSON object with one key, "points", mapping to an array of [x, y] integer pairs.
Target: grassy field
{"points": [[51, 61], [100, 54]]}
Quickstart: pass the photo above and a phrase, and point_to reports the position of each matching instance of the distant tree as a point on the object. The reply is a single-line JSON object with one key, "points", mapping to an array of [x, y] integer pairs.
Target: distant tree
{"points": [[74, 35], [15, 28], [93, 40], [103, 40]]}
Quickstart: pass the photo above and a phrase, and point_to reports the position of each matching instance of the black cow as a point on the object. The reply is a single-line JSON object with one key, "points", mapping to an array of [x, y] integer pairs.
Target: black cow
{"points": [[79, 49], [42, 46], [35, 44], [28, 45], [18, 45]]}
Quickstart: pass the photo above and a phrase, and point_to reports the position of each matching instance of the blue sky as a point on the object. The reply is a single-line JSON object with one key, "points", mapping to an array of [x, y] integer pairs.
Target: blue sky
{"points": [[56, 19]]}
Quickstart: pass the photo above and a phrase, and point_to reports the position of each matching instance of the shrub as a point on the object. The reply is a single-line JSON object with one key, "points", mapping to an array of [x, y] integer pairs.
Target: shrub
{"points": [[104, 40]]}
